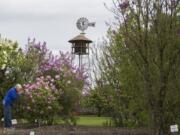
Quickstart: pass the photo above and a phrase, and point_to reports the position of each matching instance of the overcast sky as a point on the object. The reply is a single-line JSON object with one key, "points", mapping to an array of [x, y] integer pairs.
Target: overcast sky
{"points": [[53, 21]]}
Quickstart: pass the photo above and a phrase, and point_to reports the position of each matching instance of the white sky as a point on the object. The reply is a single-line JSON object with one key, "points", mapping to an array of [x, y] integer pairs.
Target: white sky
{"points": [[53, 21]]}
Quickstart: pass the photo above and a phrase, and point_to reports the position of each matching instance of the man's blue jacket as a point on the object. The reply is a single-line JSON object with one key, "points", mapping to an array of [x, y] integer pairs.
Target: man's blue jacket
{"points": [[10, 97]]}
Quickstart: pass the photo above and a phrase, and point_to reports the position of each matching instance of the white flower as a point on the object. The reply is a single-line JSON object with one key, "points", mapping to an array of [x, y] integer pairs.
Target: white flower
{"points": [[3, 66], [68, 82], [5, 53], [49, 107], [57, 77]]}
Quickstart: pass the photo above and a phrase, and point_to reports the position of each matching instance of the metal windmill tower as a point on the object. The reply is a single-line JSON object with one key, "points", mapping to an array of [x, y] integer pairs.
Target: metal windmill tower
{"points": [[80, 43]]}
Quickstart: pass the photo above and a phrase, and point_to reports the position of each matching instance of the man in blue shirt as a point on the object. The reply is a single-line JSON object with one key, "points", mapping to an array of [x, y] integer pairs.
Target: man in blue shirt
{"points": [[11, 95]]}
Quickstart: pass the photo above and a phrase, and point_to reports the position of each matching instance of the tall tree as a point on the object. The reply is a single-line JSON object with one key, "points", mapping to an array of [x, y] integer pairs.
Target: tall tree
{"points": [[143, 59]]}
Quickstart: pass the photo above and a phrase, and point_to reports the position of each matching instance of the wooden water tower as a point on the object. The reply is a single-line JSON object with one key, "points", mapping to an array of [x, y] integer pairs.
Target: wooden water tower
{"points": [[80, 43]]}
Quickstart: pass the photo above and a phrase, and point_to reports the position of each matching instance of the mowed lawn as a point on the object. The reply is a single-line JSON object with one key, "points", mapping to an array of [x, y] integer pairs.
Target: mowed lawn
{"points": [[92, 120], [89, 121]]}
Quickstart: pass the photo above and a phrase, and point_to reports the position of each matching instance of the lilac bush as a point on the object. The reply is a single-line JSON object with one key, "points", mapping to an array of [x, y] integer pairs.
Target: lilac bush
{"points": [[57, 87], [41, 97]]}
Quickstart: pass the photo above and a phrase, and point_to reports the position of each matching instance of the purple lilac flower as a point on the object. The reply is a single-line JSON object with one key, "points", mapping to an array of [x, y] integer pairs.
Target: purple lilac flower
{"points": [[173, 2], [37, 46], [114, 32], [124, 5], [59, 63]]}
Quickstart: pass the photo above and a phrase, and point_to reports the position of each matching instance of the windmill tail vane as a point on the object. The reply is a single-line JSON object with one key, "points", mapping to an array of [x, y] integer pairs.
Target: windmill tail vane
{"points": [[92, 24]]}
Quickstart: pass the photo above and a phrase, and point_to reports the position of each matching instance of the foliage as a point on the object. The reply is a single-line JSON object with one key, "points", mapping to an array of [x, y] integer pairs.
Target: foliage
{"points": [[140, 61], [45, 76], [71, 84], [66, 82], [100, 100], [10, 55], [41, 100]]}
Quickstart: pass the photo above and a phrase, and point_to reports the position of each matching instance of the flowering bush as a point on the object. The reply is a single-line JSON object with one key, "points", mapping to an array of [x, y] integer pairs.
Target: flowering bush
{"points": [[57, 88], [69, 82], [41, 100], [7, 48], [10, 55]]}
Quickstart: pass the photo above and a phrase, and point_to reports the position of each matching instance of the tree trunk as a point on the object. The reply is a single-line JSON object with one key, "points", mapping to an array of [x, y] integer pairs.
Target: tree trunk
{"points": [[99, 112]]}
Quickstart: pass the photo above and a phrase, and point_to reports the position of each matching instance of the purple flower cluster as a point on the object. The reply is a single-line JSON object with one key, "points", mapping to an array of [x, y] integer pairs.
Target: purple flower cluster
{"points": [[124, 5], [54, 75], [40, 47], [41, 94], [56, 62], [51, 62], [46, 83], [56, 66], [173, 2], [62, 63]]}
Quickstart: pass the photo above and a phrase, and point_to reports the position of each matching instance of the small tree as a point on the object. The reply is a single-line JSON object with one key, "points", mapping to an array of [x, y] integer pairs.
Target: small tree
{"points": [[10, 55]]}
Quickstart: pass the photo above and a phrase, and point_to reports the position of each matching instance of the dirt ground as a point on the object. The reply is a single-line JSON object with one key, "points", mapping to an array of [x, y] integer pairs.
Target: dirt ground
{"points": [[74, 130]]}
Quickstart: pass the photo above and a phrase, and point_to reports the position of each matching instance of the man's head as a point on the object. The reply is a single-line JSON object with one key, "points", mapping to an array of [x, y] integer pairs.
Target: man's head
{"points": [[19, 88]]}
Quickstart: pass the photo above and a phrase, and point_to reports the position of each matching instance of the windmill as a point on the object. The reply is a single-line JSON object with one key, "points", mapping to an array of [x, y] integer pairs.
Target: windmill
{"points": [[80, 43]]}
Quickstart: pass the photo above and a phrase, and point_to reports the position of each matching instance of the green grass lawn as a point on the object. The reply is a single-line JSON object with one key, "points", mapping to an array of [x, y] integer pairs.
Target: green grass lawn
{"points": [[83, 121], [92, 120], [89, 121]]}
